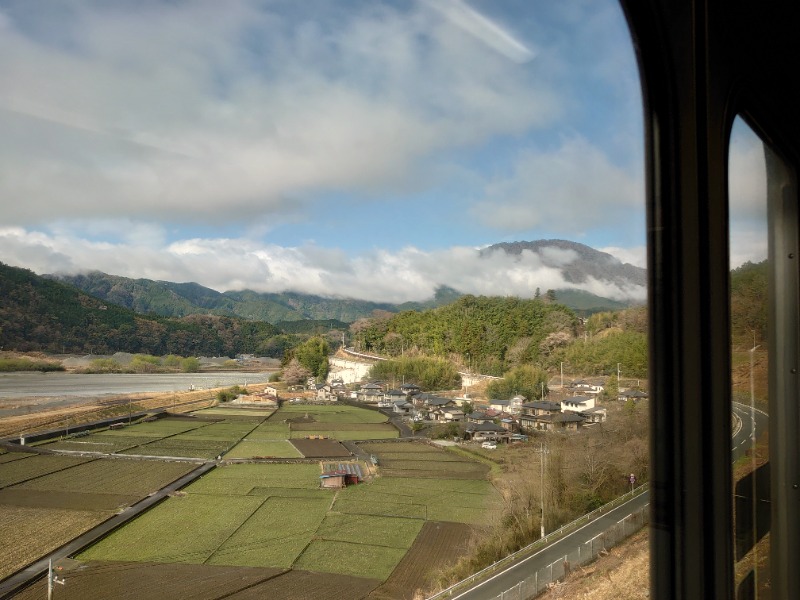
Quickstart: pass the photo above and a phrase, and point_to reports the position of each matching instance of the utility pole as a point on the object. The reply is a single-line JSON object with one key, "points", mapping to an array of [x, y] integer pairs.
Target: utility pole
{"points": [[562, 375], [753, 464], [51, 579], [541, 483]]}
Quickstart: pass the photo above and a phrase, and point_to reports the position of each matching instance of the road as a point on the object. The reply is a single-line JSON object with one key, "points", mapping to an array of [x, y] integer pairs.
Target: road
{"points": [[752, 420], [508, 578]]}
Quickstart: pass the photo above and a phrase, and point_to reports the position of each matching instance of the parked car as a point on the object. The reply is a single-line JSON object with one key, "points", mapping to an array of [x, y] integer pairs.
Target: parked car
{"points": [[489, 445]]}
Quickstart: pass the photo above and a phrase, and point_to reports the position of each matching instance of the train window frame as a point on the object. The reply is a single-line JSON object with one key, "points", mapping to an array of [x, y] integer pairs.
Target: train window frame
{"points": [[701, 63]]}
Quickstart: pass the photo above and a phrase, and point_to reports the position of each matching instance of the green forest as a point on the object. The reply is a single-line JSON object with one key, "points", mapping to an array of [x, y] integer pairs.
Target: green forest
{"points": [[39, 314]]}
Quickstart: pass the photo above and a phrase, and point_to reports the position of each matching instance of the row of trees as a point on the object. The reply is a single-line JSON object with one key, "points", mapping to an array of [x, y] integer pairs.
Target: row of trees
{"points": [[428, 373]]}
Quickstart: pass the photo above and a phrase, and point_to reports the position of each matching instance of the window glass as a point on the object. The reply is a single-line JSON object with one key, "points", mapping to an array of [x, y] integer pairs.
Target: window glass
{"points": [[750, 272]]}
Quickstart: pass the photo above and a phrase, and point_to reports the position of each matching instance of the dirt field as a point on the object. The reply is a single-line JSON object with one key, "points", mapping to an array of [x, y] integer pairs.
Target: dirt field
{"points": [[44, 530], [124, 581], [320, 448], [151, 581], [437, 546]]}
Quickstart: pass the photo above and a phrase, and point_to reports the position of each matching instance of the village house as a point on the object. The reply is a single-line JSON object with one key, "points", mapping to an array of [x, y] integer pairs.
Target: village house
{"points": [[410, 389], [538, 415], [499, 405], [371, 393], [578, 403], [448, 414], [570, 421], [436, 402], [479, 417], [402, 407], [395, 395], [265, 399], [509, 423], [515, 404], [597, 414], [632, 394], [581, 386], [484, 431]]}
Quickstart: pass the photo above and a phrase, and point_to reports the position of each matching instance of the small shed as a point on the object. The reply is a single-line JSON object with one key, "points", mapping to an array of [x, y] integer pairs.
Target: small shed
{"points": [[333, 480]]}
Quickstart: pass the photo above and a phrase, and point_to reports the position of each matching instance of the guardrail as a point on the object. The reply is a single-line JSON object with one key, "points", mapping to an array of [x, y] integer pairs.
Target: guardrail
{"points": [[543, 578], [541, 542]]}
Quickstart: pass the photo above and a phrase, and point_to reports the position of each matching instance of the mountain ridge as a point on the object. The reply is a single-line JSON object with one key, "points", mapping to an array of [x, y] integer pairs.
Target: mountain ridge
{"points": [[578, 263]]}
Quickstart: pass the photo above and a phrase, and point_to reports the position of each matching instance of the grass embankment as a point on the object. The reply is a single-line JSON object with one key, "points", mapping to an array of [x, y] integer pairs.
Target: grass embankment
{"points": [[8, 365]]}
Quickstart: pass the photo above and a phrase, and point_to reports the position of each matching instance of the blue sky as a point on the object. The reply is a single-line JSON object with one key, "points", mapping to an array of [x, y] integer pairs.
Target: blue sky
{"points": [[352, 148]]}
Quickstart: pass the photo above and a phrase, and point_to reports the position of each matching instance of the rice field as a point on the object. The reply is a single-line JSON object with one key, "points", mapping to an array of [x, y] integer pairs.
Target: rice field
{"points": [[258, 515], [128, 477], [331, 414], [273, 448]]}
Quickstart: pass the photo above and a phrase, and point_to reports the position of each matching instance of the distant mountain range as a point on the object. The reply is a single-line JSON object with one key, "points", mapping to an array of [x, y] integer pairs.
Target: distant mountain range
{"points": [[577, 262]]}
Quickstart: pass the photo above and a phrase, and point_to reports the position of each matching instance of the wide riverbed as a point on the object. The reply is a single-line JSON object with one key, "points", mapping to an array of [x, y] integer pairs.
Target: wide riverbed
{"points": [[23, 392]]}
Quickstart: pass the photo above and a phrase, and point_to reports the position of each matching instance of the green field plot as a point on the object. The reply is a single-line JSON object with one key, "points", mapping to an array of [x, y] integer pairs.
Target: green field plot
{"points": [[250, 448], [225, 431], [129, 477], [394, 532], [12, 456], [35, 466], [462, 501], [356, 506], [255, 413], [239, 479], [266, 492], [182, 529], [331, 414], [170, 447], [358, 560], [108, 444], [158, 428], [312, 427], [270, 430], [436, 456], [446, 468], [275, 535], [416, 448], [362, 434]]}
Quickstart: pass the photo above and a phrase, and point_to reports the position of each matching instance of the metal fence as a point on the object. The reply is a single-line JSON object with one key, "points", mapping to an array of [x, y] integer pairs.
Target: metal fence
{"points": [[539, 582]]}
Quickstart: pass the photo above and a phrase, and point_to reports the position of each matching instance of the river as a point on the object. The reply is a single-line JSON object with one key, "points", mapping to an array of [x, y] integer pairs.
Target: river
{"points": [[30, 391]]}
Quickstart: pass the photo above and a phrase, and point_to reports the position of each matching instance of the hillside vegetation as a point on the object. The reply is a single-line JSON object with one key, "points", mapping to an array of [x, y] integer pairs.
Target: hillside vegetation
{"points": [[169, 299], [486, 334], [44, 315]]}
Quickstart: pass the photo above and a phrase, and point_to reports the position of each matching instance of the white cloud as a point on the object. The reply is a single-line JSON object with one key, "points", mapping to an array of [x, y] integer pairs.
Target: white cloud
{"points": [[235, 264], [747, 189], [636, 256], [570, 191], [199, 111]]}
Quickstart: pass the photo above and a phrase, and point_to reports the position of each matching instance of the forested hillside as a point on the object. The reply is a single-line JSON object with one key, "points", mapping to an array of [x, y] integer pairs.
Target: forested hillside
{"points": [[41, 314], [168, 299], [749, 295], [487, 334]]}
